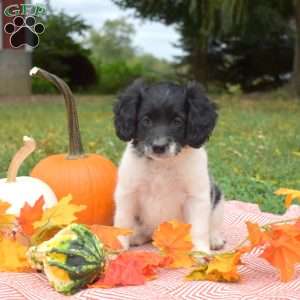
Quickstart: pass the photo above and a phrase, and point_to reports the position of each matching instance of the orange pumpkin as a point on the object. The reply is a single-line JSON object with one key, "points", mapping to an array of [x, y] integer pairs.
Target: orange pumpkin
{"points": [[90, 178]]}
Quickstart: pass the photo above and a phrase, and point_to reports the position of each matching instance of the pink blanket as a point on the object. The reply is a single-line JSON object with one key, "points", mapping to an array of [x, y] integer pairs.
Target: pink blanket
{"points": [[259, 280]]}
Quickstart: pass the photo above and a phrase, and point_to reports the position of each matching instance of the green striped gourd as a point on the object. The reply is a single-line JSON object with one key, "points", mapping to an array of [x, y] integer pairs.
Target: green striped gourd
{"points": [[73, 258]]}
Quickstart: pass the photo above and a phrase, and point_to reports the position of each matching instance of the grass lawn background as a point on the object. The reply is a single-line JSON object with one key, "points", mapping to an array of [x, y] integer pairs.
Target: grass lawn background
{"points": [[254, 150]]}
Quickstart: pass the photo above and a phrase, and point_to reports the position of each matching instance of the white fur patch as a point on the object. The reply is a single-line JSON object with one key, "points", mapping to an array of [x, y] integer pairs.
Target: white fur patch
{"points": [[155, 191]]}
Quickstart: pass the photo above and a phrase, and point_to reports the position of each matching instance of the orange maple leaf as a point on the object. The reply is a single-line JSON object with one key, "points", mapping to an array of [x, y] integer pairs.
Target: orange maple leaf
{"points": [[297, 224], [290, 195], [109, 235], [255, 235], [283, 249], [291, 230], [28, 215], [131, 268], [173, 239]]}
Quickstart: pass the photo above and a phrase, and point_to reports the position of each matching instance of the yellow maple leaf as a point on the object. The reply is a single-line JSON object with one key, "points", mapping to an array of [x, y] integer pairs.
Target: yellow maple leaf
{"points": [[54, 218], [62, 214], [13, 256], [173, 239], [222, 267], [290, 195], [6, 220]]}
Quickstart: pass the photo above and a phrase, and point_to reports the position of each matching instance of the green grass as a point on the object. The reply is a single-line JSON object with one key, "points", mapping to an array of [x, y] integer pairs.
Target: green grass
{"points": [[254, 150]]}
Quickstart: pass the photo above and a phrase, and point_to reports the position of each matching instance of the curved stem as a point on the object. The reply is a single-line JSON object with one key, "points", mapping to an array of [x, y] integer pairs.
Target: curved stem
{"points": [[280, 222], [265, 227], [75, 144], [241, 243], [200, 253], [28, 147]]}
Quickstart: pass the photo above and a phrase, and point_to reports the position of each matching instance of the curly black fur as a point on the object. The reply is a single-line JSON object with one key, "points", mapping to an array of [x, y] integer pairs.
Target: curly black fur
{"points": [[162, 103], [202, 116], [126, 109]]}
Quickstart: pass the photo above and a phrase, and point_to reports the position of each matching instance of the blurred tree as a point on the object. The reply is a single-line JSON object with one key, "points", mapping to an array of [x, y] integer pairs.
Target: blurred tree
{"points": [[258, 44], [154, 67], [113, 41], [289, 11], [196, 20], [61, 52], [118, 61], [296, 75], [200, 22]]}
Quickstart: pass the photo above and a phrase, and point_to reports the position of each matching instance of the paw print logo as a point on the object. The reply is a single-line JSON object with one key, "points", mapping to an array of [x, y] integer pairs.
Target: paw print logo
{"points": [[24, 31]]}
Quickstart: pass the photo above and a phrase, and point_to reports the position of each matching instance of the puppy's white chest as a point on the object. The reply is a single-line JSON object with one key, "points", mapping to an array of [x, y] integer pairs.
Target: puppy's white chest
{"points": [[160, 196]]}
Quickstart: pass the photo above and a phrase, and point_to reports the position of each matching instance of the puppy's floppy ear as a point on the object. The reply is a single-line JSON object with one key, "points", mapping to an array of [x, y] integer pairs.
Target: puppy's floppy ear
{"points": [[126, 109], [202, 115]]}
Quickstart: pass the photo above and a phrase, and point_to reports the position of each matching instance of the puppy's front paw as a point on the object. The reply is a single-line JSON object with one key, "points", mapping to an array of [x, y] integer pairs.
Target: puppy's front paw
{"points": [[216, 241], [139, 239], [124, 240], [203, 252], [201, 246]]}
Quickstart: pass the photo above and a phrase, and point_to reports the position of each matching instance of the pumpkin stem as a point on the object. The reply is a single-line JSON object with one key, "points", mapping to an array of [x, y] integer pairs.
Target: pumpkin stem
{"points": [[75, 144], [28, 147]]}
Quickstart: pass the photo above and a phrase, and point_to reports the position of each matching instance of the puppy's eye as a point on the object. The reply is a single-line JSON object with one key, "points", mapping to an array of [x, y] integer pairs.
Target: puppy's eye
{"points": [[146, 121], [178, 121]]}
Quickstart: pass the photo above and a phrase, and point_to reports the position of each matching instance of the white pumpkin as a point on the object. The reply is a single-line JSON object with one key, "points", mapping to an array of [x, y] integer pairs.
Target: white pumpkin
{"points": [[18, 190]]}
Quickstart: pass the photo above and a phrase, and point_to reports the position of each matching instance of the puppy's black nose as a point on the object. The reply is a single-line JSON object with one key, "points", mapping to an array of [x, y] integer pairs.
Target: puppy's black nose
{"points": [[159, 149]]}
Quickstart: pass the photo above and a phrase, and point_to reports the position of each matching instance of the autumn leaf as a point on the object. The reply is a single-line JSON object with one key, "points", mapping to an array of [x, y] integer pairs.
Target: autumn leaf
{"points": [[109, 235], [222, 267], [131, 268], [280, 244], [173, 236], [44, 234], [28, 215], [182, 261], [255, 235], [173, 239], [13, 256], [244, 249], [55, 218], [291, 230], [283, 249], [6, 220], [290, 195], [283, 255], [297, 224], [62, 214], [153, 261]]}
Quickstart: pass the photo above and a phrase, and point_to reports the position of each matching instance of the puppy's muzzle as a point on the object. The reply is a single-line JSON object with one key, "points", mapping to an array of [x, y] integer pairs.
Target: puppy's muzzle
{"points": [[160, 146], [159, 149]]}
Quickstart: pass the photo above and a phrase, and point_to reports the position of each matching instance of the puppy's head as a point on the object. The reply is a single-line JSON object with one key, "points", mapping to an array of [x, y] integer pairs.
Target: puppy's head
{"points": [[163, 118]]}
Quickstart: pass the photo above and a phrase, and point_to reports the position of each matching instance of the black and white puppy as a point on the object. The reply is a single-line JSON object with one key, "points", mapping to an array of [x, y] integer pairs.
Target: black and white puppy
{"points": [[163, 174]]}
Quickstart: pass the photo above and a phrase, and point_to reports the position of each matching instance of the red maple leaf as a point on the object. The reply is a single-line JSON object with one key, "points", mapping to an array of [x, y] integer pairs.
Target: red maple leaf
{"points": [[30, 214], [132, 268]]}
